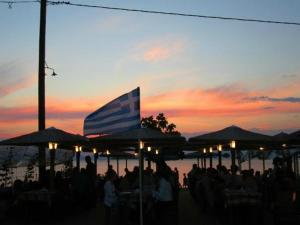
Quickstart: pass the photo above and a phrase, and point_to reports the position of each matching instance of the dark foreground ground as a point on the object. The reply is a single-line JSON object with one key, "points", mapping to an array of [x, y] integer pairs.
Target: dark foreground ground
{"points": [[189, 214]]}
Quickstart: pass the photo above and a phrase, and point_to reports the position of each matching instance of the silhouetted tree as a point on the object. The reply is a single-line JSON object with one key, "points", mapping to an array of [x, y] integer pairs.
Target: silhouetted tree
{"points": [[160, 123], [150, 122], [29, 173], [6, 171]]}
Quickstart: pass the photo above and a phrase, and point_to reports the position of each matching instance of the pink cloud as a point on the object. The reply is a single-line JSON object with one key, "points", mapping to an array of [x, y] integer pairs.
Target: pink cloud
{"points": [[17, 83], [159, 50], [157, 53]]}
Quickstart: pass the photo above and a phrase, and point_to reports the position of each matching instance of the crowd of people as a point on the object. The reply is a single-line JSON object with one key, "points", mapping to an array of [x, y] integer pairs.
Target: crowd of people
{"points": [[37, 201], [244, 197], [216, 191], [160, 195], [81, 190]]}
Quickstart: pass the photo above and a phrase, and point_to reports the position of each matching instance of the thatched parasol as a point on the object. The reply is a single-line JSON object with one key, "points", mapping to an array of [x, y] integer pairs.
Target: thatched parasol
{"points": [[282, 136], [150, 137], [244, 138], [294, 137], [43, 137]]}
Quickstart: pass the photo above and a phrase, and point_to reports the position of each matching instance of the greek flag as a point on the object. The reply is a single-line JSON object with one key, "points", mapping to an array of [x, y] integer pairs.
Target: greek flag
{"points": [[121, 114]]}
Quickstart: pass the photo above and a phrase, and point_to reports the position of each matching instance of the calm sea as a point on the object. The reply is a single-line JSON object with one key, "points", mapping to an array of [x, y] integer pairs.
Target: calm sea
{"points": [[183, 166]]}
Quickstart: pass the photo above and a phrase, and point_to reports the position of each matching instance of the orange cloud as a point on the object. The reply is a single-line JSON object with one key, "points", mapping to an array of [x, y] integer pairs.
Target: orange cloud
{"points": [[198, 109], [191, 109]]}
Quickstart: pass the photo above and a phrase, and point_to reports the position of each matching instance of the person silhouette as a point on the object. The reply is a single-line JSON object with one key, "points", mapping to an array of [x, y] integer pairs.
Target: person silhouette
{"points": [[90, 168], [90, 172], [185, 181]]}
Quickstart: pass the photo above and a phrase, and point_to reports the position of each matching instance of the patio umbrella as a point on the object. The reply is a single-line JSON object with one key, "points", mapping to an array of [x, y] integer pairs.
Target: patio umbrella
{"points": [[282, 136], [294, 137], [51, 137], [231, 133], [243, 139], [43, 137], [150, 137]]}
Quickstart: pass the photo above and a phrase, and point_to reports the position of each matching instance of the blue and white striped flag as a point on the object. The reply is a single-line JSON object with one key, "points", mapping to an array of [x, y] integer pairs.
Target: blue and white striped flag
{"points": [[121, 114]]}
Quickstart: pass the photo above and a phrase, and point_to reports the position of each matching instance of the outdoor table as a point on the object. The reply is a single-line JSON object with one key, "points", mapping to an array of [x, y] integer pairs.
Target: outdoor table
{"points": [[42, 195], [37, 205], [128, 205], [243, 207], [242, 197]]}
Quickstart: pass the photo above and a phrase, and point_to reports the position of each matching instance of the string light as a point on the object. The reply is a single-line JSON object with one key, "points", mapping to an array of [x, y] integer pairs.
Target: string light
{"points": [[219, 148], [95, 151]]}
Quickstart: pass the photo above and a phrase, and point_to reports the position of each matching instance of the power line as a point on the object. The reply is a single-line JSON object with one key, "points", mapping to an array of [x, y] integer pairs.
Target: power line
{"points": [[19, 2], [156, 12], [174, 13]]}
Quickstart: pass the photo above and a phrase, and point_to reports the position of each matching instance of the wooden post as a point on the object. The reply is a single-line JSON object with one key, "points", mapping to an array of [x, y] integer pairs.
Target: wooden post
{"points": [[294, 162], [108, 161], [205, 161], [52, 168], [198, 161], [297, 163], [118, 166], [141, 159], [263, 160], [126, 163], [239, 163], [220, 158], [249, 160], [96, 161], [210, 161], [232, 157], [78, 160]]}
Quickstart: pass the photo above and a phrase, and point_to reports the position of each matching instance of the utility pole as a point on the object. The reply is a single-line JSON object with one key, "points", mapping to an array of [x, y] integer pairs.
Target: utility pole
{"points": [[41, 86]]}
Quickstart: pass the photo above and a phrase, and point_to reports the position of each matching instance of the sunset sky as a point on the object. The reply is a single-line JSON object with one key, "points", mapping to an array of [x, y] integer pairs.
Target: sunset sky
{"points": [[203, 74]]}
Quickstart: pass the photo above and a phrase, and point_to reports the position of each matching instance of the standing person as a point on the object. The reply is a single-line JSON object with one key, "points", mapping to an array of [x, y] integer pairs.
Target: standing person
{"points": [[192, 179], [110, 195], [164, 195], [90, 168], [176, 172], [111, 170], [185, 181], [91, 175]]}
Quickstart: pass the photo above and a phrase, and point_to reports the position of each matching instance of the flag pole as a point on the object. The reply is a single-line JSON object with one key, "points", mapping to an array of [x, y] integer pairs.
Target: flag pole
{"points": [[140, 147], [141, 181]]}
